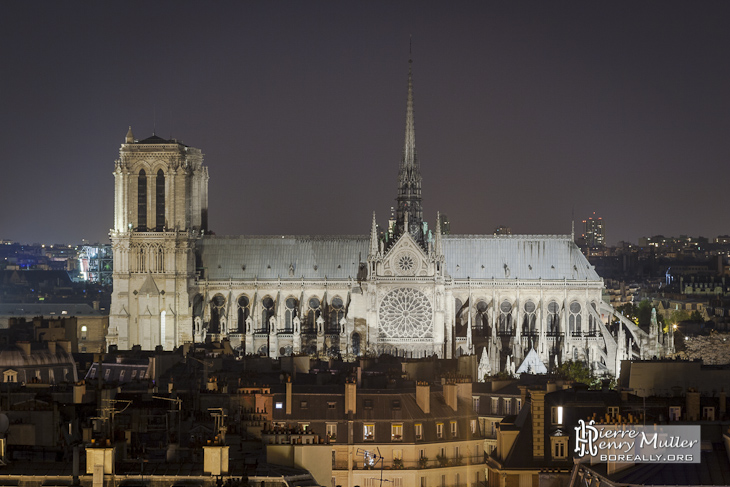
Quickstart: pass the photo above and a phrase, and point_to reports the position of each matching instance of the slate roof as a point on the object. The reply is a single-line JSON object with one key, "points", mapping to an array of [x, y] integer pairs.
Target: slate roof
{"points": [[270, 257], [516, 257], [339, 257]]}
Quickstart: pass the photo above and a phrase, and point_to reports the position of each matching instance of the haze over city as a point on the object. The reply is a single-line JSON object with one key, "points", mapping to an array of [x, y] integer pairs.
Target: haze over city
{"points": [[526, 113]]}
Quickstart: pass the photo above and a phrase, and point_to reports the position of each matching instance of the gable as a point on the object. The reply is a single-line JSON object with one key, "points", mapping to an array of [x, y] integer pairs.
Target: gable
{"points": [[405, 258]]}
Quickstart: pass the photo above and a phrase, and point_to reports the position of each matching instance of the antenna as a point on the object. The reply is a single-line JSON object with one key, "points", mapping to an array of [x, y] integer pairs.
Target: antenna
{"points": [[371, 461], [154, 119]]}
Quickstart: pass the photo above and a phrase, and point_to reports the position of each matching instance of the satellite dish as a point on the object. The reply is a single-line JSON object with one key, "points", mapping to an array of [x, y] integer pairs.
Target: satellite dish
{"points": [[4, 423]]}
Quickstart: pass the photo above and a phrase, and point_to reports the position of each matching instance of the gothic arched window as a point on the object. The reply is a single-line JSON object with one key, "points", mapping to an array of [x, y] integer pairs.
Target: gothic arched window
{"points": [[505, 317], [266, 313], [244, 311], [574, 318], [142, 201], [482, 319], [553, 320], [310, 324], [217, 310], [528, 321], [291, 312], [160, 201], [592, 320], [336, 312]]}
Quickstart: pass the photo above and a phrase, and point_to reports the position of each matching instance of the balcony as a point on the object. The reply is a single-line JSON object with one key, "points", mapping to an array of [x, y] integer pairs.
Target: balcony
{"points": [[421, 464]]}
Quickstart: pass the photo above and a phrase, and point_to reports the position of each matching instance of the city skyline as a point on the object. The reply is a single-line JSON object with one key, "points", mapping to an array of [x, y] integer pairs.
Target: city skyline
{"points": [[526, 114]]}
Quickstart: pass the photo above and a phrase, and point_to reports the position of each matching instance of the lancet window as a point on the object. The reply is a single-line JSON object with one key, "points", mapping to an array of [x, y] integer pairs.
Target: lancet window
{"points": [[482, 319], [217, 311], [160, 201], [291, 311], [529, 318], [244, 311], [267, 312], [505, 318], [142, 201], [336, 313], [574, 318], [553, 318], [310, 323]]}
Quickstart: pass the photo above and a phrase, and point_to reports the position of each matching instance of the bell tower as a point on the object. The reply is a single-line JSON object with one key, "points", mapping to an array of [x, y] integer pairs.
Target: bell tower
{"points": [[160, 210]]}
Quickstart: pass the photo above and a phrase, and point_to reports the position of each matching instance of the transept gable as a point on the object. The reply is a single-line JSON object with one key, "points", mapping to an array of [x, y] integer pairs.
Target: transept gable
{"points": [[405, 258]]}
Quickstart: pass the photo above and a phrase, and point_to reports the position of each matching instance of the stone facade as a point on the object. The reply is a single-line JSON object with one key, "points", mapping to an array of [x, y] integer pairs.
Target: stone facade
{"points": [[405, 291]]}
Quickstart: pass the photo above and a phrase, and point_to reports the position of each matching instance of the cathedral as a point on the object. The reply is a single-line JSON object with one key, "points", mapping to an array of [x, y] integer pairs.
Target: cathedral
{"points": [[408, 291]]}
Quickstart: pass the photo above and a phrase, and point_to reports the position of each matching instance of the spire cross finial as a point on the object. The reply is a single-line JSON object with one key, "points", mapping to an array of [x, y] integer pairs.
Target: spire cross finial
{"points": [[410, 48]]}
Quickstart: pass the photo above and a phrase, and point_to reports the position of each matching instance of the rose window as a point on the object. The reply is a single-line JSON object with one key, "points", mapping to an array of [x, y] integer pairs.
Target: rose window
{"points": [[406, 313], [405, 263]]}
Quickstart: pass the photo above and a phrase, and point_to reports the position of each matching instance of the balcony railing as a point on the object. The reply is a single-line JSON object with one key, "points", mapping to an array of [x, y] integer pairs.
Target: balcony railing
{"points": [[424, 463]]}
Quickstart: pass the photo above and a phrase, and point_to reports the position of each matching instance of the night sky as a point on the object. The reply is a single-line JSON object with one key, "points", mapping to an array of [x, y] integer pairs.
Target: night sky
{"points": [[526, 112]]}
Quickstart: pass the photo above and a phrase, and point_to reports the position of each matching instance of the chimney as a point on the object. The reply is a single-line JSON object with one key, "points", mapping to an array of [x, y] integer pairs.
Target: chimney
{"points": [[523, 394], [350, 397], [538, 423], [65, 345], [25, 347], [96, 304], [52, 347], [552, 387], [288, 395], [423, 396], [693, 405], [450, 396]]}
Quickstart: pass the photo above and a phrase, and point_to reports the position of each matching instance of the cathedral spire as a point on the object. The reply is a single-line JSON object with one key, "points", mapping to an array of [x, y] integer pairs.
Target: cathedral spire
{"points": [[409, 175], [374, 237]]}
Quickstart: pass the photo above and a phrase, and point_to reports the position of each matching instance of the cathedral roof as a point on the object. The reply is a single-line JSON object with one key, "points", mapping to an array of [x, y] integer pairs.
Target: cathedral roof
{"points": [[154, 139], [516, 257], [288, 257], [549, 257]]}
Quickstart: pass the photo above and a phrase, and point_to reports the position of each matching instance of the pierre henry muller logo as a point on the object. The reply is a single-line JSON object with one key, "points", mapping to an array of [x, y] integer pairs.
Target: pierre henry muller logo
{"points": [[631, 443]]}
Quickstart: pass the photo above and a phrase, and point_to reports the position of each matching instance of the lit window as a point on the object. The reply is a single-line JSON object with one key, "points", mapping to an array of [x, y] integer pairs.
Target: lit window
{"points": [[439, 430], [418, 427], [369, 431], [519, 405], [304, 405], [331, 405], [495, 405], [475, 403], [396, 431], [84, 330], [454, 430], [279, 405], [708, 413], [473, 426], [332, 431], [613, 411], [557, 415], [106, 373]]}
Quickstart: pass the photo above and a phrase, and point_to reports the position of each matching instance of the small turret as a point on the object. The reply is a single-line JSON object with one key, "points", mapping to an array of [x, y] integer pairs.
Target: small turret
{"points": [[129, 139]]}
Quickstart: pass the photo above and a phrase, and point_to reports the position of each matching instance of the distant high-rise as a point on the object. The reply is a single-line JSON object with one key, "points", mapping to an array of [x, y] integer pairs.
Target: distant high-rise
{"points": [[445, 224], [594, 231]]}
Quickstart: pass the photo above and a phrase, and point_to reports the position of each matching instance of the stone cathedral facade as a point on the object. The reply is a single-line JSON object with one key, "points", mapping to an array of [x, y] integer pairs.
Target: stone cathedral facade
{"points": [[405, 290]]}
